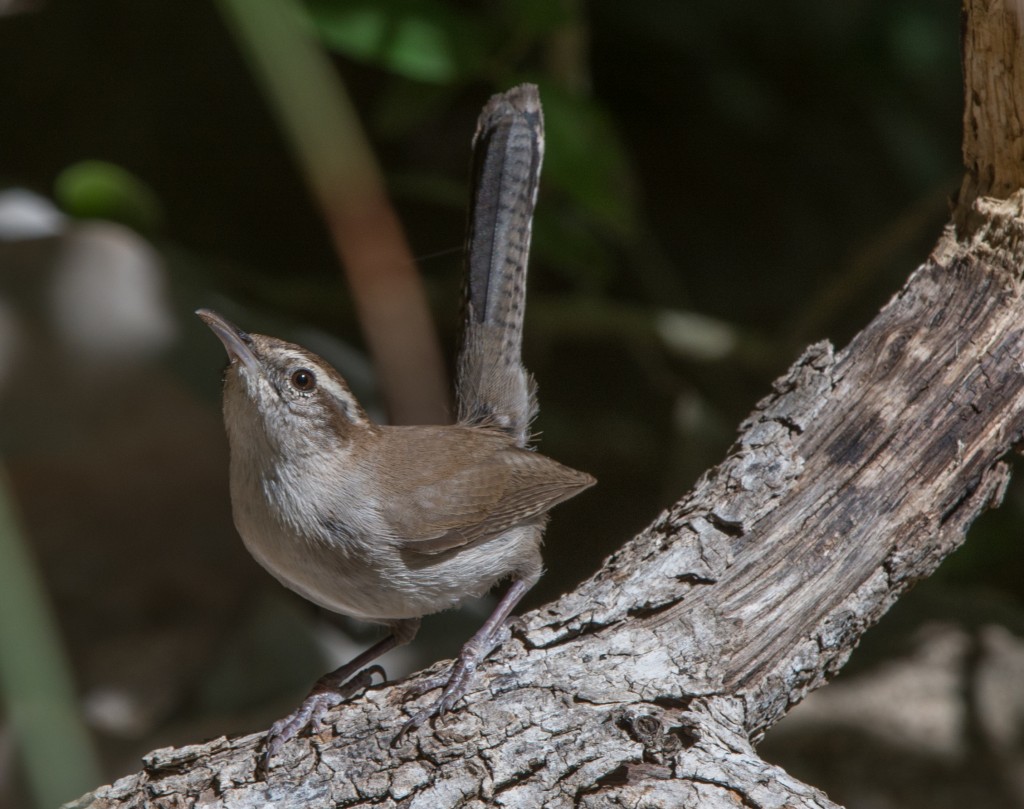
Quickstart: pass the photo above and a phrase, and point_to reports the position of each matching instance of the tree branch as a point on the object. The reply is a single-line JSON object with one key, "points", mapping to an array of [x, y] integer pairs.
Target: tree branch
{"points": [[855, 477]]}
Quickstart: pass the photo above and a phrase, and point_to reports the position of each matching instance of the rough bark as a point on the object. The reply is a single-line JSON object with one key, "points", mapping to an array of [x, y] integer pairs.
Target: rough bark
{"points": [[650, 684]]}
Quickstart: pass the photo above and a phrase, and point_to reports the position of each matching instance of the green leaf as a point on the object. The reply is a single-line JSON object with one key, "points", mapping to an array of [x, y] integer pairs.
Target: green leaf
{"points": [[425, 41], [95, 189]]}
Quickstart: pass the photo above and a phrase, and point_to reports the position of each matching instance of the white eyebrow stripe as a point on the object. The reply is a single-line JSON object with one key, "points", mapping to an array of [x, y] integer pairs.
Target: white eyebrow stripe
{"points": [[336, 389], [300, 358]]}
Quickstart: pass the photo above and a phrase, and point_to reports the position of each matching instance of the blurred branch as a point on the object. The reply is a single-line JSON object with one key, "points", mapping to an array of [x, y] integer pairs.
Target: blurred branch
{"points": [[317, 116], [35, 679]]}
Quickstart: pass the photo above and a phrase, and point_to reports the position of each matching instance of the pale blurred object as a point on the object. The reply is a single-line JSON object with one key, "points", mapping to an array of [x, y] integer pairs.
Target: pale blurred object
{"points": [[697, 336], [117, 712], [940, 726], [913, 702], [107, 291], [26, 215], [999, 692], [109, 298]]}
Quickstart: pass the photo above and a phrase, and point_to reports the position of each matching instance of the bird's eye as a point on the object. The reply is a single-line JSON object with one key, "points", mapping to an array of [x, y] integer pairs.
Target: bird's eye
{"points": [[303, 380]]}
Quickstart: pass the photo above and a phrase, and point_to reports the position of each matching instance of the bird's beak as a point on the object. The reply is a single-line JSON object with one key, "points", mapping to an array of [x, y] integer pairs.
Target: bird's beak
{"points": [[237, 343]]}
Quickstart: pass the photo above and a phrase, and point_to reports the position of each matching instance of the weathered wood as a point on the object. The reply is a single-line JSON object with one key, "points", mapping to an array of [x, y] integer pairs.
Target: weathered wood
{"points": [[649, 684], [993, 145]]}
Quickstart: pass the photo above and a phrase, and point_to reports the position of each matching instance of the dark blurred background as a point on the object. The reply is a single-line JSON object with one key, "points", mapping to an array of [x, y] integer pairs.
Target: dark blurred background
{"points": [[723, 184]]}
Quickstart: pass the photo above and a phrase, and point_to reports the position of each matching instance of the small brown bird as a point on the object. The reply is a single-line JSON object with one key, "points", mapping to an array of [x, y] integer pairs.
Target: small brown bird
{"points": [[388, 524]]}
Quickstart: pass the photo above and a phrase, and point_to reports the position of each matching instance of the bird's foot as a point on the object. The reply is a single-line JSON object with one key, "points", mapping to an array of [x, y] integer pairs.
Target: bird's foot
{"points": [[455, 683], [326, 694]]}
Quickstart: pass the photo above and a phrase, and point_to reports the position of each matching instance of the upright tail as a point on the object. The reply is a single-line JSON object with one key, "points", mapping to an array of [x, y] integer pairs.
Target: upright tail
{"points": [[493, 387]]}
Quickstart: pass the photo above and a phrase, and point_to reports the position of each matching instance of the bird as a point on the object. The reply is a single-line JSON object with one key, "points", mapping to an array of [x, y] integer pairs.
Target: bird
{"points": [[389, 523]]}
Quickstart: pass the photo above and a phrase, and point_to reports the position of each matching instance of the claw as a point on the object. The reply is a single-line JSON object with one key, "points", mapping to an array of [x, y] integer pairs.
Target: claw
{"points": [[326, 695], [455, 684]]}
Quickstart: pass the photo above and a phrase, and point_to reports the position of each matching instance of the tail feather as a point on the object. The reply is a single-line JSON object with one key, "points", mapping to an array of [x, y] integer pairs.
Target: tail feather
{"points": [[494, 388]]}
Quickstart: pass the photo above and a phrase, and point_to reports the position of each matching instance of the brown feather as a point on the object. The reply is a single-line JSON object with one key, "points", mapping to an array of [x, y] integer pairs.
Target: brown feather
{"points": [[467, 485]]}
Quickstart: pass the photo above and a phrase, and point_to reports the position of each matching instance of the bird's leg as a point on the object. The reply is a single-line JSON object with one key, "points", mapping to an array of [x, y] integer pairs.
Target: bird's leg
{"points": [[335, 688], [491, 635]]}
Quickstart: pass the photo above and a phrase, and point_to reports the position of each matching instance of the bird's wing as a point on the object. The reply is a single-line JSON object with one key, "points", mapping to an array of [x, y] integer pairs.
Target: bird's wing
{"points": [[480, 499]]}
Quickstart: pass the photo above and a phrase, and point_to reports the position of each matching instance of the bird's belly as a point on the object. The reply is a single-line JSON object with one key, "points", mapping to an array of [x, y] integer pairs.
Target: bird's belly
{"points": [[326, 574], [378, 580]]}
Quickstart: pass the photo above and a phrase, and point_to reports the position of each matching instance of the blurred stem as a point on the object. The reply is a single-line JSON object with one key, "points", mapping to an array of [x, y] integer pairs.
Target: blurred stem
{"points": [[328, 142], [35, 678]]}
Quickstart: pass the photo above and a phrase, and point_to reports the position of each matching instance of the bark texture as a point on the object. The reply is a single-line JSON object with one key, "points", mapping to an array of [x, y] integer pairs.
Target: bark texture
{"points": [[649, 684]]}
